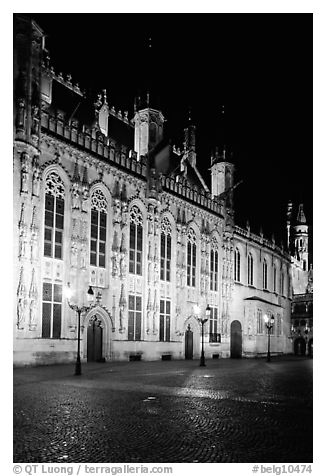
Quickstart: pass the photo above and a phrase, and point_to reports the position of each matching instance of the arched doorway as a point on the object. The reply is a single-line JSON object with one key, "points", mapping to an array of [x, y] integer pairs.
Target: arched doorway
{"points": [[310, 348], [300, 346], [189, 343], [236, 340], [95, 339]]}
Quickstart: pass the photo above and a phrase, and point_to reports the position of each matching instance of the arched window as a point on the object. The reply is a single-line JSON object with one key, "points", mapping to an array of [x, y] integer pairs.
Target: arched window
{"points": [[265, 270], [191, 258], [54, 216], [136, 241], [274, 278], [236, 264], [53, 248], [214, 265], [250, 270], [98, 229], [165, 271]]}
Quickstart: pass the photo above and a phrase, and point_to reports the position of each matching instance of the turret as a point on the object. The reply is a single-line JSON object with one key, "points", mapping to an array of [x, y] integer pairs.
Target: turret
{"points": [[301, 238], [222, 171], [148, 129]]}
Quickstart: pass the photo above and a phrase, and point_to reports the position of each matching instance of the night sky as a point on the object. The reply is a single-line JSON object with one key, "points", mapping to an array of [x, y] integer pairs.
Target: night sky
{"points": [[258, 66]]}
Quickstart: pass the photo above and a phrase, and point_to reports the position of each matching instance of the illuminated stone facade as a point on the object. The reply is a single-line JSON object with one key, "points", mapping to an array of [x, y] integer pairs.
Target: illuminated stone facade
{"points": [[134, 220]]}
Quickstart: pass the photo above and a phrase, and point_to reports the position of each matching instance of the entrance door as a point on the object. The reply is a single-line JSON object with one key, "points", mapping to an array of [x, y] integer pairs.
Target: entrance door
{"points": [[188, 343], [300, 346], [94, 340], [236, 340]]}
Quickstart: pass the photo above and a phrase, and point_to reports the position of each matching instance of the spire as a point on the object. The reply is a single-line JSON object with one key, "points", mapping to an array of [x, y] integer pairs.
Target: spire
{"points": [[301, 218]]}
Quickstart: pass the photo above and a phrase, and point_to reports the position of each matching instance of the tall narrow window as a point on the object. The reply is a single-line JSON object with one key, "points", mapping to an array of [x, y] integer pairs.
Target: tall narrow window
{"points": [[54, 216], [213, 336], [236, 265], [265, 274], [165, 320], [165, 271], [98, 229], [274, 278], [278, 325], [282, 283], [134, 317], [135, 241], [191, 258], [259, 321], [51, 311], [250, 270], [214, 266]]}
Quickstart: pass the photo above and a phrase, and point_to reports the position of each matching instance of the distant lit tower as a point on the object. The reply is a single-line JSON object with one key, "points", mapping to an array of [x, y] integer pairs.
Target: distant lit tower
{"points": [[222, 173], [288, 223], [301, 238]]}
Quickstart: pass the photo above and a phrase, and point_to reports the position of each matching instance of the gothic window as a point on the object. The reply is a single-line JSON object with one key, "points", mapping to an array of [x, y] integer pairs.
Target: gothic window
{"points": [[165, 271], [250, 270], [236, 263], [134, 317], [51, 311], [265, 269], [165, 320], [213, 336], [54, 216], [98, 229], [191, 258], [304, 265], [274, 278], [135, 241], [259, 321], [214, 266]]}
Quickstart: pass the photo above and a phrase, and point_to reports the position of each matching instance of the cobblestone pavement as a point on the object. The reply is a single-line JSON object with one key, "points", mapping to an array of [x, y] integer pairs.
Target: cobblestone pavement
{"points": [[230, 411]]}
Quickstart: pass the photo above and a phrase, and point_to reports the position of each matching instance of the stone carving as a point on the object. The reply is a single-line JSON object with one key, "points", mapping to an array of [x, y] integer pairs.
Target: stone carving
{"points": [[24, 172], [21, 301], [33, 303]]}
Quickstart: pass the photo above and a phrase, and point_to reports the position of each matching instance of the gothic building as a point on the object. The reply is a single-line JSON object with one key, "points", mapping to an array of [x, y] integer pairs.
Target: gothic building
{"points": [[101, 200]]}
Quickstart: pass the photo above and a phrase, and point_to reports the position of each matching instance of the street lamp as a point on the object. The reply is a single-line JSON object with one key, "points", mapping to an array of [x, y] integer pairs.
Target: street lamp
{"points": [[79, 310], [269, 321], [202, 320]]}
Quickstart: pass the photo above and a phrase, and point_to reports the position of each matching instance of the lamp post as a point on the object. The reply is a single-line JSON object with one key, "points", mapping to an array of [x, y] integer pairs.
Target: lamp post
{"points": [[269, 321], [79, 310], [202, 320]]}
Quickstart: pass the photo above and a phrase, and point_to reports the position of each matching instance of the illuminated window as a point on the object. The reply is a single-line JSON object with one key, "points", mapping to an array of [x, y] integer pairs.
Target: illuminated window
{"points": [[214, 266], [250, 270], [165, 271], [236, 265], [265, 270], [213, 335], [135, 241], [165, 320], [51, 311], [98, 229], [191, 258], [134, 317], [54, 216]]}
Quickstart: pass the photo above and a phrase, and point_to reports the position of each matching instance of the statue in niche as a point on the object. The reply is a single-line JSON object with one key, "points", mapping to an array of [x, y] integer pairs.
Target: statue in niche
{"points": [[123, 265], [34, 247], [74, 255], [21, 309], [75, 196], [23, 244], [36, 181], [83, 258], [85, 196], [32, 315], [24, 180], [115, 267]]}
